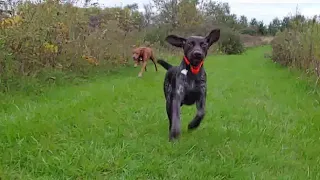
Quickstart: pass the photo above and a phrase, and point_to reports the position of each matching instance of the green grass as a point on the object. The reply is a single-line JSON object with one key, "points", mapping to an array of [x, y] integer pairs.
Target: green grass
{"points": [[262, 122]]}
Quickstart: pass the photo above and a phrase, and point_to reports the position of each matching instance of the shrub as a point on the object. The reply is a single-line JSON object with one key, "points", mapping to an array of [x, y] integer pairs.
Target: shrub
{"points": [[298, 46], [156, 34], [51, 36], [250, 31], [230, 42], [282, 49]]}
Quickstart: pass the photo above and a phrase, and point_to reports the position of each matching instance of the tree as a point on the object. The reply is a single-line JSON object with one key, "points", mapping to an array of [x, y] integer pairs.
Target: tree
{"points": [[217, 12], [6, 8], [148, 14], [168, 11], [188, 15], [262, 30], [285, 23], [243, 21], [274, 26], [253, 22], [232, 21], [132, 7]]}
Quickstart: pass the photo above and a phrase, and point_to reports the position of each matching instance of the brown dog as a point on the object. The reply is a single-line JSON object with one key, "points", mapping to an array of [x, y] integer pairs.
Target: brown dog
{"points": [[143, 54]]}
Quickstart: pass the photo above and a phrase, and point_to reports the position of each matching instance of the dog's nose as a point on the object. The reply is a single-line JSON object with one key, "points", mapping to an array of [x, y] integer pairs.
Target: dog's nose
{"points": [[197, 54]]}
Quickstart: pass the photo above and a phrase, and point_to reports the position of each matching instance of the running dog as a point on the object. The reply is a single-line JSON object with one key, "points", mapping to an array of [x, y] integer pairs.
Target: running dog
{"points": [[143, 54], [186, 84]]}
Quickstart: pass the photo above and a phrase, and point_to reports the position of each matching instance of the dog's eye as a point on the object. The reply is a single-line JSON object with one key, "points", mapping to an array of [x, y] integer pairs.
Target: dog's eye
{"points": [[204, 45], [190, 44]]}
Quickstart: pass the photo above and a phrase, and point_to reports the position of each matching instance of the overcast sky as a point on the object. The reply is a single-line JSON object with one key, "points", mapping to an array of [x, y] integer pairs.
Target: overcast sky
{"points": [[264, 10]]}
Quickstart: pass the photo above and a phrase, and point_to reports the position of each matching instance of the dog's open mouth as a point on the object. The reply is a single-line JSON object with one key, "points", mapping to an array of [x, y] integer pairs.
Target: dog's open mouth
{"points": [[195, 64], [195, 69]]}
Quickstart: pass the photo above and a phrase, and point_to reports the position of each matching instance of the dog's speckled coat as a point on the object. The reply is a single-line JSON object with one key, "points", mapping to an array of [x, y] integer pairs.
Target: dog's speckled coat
{"points": [[181, 86]]}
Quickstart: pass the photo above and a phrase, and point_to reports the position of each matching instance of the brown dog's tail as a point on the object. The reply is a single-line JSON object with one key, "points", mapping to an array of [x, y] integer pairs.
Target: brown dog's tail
{"points": [[164, 64]]}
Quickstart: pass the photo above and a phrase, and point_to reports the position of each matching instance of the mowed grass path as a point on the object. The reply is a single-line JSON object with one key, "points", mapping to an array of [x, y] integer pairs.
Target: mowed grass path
{"points": [[261, 123]]}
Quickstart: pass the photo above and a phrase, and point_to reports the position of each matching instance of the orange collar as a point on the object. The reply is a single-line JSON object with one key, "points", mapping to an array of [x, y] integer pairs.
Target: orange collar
{"points": [[194, 69]]}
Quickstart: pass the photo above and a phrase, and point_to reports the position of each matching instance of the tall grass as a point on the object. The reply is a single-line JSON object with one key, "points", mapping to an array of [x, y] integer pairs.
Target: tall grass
{"points": [[299, 45]]}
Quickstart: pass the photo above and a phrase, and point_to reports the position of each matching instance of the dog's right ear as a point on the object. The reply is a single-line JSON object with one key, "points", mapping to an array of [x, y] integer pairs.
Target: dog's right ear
{"points": [[176, 40], [213, 36]]}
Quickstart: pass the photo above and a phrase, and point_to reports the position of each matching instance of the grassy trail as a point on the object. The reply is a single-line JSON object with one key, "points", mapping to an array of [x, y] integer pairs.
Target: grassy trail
{"points": [[261, 123]]}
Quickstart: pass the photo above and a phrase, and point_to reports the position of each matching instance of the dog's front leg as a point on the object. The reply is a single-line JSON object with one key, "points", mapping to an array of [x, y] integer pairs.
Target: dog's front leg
{"points": [[200, 113], [143, 68], [136, 63], [176, 105]]}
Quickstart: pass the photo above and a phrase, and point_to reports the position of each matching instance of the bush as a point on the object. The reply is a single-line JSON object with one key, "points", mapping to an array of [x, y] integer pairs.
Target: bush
{"points": [[250, 31], [298, 46], [282, 50], [230, 42], [156, 35], [52, 37]]}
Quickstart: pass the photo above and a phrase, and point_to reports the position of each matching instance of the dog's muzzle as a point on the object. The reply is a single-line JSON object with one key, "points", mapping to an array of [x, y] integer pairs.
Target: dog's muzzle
{"points": [[134, 58], [197, 56], [195, 69]]}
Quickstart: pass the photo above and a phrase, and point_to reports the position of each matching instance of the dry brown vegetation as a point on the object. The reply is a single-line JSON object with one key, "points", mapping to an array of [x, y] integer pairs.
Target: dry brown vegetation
{"points": [[251, 41], [298, 45]]}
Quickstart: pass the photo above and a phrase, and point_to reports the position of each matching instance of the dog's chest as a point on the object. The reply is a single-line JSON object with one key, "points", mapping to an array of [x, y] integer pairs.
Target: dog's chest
{"points": [[191, 84], [192, 92]]}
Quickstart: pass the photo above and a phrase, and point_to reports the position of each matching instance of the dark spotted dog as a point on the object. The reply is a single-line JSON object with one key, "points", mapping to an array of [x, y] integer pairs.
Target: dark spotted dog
{"points": [[186, 84]]}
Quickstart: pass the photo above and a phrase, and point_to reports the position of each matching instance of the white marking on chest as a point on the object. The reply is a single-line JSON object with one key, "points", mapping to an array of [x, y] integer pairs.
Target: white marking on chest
{"points": [[184, 71]]}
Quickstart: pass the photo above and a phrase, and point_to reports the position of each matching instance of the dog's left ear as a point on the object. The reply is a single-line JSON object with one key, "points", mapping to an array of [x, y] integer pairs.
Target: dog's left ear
{"points": [[176, 40], [213, 36]]}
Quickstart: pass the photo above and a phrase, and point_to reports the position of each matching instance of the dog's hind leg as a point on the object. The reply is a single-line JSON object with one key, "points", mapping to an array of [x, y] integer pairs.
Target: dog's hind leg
{"points": [[154, 62], [200, 114], [169, 113]]}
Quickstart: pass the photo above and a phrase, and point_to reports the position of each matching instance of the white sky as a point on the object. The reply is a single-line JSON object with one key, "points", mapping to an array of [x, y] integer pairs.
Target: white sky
{"points": [[264, 10]]}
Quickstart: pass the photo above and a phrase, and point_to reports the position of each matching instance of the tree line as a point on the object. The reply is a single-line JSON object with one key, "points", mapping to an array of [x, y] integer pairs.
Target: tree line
{"points": [[185, 14]]}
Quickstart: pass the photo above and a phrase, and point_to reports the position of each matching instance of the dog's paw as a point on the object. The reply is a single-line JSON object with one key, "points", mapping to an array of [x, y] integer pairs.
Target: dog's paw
{"points": [[139, 75], [174, 134], [193, 125]]}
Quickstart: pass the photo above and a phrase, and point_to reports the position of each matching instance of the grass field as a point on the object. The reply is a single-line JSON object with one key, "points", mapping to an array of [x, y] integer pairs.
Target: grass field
{"points": [[262, 122]]}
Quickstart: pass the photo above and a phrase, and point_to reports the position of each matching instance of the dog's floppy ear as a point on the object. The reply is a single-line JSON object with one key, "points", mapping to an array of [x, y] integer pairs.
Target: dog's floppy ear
{"points": [[135, 50], [176, 40], [213, 36]]}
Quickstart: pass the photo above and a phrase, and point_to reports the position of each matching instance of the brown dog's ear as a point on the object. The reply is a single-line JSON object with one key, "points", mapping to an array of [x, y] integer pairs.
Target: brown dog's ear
{"points": [[136, 50], [176, 40], [213, 36]]}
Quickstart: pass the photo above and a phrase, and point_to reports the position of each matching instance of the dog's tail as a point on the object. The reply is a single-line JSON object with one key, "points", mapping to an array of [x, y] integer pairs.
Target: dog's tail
{"points": [[164, 64]]}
